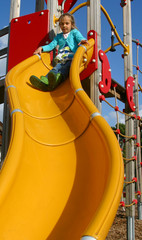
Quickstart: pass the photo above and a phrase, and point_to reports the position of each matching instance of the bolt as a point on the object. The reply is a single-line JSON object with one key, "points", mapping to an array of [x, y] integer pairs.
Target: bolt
{"points": [[93, 60]]}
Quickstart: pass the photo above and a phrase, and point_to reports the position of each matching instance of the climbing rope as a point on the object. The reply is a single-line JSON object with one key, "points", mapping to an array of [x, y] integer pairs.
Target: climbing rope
{"points": [[116, 108], [129, 159], [134, 202], [134, 180], [117, 131]]}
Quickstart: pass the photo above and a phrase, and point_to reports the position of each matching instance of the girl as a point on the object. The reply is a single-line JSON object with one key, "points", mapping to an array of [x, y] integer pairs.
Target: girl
{"points": [[68, 40]]}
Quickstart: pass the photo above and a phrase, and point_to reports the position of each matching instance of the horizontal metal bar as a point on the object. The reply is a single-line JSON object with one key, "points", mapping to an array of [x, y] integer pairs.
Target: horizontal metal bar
{"points": [[136, 41], [4, 31], [3, 51]]}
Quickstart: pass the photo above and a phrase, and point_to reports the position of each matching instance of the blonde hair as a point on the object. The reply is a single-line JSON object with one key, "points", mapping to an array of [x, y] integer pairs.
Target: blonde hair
{"points": [[70, 16]]}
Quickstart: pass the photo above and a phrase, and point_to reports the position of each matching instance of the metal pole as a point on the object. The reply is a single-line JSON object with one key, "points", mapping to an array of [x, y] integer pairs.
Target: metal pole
{"points": [[39, 5], [129, 124], [52, 6], [130, 227], [15, 9], [94, 22]]}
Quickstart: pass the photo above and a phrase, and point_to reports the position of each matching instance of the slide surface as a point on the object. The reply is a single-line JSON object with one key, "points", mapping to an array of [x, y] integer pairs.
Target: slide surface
{"points": [[63, 174]]}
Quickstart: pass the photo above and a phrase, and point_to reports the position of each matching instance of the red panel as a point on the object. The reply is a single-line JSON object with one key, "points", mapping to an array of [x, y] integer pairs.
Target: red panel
{"points": [[69, 4], [93, 64], [105, 83], [129, 93], [26, 34]]}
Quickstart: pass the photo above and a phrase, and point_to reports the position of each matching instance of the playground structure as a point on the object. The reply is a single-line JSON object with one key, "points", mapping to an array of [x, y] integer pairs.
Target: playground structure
{"points": [[104, 87]]}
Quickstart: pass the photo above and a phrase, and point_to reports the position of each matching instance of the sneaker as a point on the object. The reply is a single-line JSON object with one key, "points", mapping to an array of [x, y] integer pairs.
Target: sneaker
{"points": [[41, 83], [54, 79], [44, 80]]}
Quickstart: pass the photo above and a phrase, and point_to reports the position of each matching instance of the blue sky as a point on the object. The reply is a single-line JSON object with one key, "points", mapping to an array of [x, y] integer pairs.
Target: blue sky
{"points": [[116, 62]]}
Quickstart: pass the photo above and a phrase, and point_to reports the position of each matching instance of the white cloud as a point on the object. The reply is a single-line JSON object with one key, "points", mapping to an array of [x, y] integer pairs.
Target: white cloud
{"points": [[3, 44], [140, 110], [3, 66], [121, 118], [111, 118], [4, 41]]}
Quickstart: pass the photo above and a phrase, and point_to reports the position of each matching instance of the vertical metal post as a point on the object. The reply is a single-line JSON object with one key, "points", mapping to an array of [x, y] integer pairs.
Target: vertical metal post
{"points": [[39, 5], [129, 124], [138, 150], [52, 6], [54, 10], [15, 9], [130, 227], [94, 22], [14, 12]]}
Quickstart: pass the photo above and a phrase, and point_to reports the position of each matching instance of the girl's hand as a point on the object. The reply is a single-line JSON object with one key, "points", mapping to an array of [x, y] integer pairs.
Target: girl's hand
{"points": [[83, 41], [38, 51]]}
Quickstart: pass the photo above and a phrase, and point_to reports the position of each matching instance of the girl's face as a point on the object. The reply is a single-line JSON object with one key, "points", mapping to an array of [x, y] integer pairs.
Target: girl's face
{"points": [[65, 24]]}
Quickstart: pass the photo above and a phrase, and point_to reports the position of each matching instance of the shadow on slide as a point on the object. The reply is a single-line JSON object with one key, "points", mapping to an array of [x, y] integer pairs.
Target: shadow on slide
{"points": [[62, 177]]}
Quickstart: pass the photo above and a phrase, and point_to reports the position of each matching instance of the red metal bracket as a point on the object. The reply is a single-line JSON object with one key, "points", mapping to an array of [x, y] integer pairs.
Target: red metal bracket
{"points": [[105, 83], [129, 93], [93, 64], [69, 4]]}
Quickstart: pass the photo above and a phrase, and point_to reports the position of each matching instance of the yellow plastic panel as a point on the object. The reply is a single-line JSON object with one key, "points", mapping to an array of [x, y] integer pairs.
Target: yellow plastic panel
{"points": [[63, 174]]}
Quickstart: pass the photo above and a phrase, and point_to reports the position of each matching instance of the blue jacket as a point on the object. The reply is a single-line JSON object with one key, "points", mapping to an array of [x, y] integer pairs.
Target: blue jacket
{"points": [[72, 41]]}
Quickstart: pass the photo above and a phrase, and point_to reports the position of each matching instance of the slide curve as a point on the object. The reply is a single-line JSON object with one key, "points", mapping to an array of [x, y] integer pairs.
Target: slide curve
{"points": [[62, 177]]}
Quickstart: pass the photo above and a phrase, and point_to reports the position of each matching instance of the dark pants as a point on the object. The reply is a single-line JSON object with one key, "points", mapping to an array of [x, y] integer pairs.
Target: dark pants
{"points": [[63, 69]]}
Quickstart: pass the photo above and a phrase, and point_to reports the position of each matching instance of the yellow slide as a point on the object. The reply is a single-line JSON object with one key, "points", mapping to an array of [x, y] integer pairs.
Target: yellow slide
{"points": [[63, 174]]}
